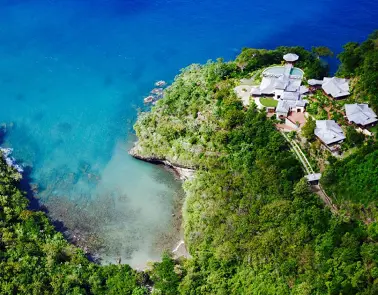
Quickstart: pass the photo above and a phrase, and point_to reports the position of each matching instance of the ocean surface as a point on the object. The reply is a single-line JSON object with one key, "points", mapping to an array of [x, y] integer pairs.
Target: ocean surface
{"points": [[73, 75]]}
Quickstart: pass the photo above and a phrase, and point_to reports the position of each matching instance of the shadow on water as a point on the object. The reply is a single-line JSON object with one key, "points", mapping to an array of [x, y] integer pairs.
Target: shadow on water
{"points": [[2, 134], [31, 191]]}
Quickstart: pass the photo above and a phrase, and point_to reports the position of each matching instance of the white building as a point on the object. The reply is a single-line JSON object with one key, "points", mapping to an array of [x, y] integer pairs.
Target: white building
{"points": [[360, 114], [334, 87], [284, 84], [329, 132]]}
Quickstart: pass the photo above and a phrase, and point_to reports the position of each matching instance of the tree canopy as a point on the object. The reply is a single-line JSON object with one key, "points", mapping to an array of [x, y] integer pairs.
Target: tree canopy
{"points": [[252, 224], [359, 61]]}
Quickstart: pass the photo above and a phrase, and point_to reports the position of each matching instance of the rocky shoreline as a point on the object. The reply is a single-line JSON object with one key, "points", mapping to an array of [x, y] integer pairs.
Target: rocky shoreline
{"points": [[182, 172]]}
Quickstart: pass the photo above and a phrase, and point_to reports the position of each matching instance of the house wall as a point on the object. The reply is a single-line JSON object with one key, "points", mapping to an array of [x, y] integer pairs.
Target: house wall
{"points": [[279, 115], [298, 109]]}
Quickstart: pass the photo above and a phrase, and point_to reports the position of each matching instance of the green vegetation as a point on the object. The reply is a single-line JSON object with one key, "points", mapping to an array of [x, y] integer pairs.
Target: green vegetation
{"points": [[353, 138], [324, 108], [355, 177], [268, 102], [251, 59], [35, 259], [360, 62], [322, 51], [309, 128], [251, 223], [165, 276]]}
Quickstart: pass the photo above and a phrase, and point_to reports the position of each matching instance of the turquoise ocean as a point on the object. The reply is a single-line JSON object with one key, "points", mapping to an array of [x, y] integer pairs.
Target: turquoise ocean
{"points": [[73, 75]]}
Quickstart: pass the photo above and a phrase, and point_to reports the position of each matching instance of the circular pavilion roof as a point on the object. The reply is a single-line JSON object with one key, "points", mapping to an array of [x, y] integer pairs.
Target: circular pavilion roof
{"points": [[290, 57]]}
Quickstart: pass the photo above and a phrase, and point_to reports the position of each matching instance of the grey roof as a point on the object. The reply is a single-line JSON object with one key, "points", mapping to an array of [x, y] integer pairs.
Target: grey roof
{"points": [[267, 85], [292, 87], [303, 89], [301, 103], [328, 131], [281, 84], [271, 82], [290, 95], [314, 82], [255, 91], [290, 57], [282, 107], [313, 176], [285, 104], [360, 114], [336, 87]]}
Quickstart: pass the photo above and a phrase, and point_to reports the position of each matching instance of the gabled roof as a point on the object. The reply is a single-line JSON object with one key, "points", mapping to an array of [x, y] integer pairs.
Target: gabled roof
{"points": [[303, 89], [255, 91], [290, 95], [336, 87], [313, 82], [281, 84], [292, 87], [290, 57], [313, 176], [360, 114], [301, 103], [329, 131], [267, 85], [282, 107]]}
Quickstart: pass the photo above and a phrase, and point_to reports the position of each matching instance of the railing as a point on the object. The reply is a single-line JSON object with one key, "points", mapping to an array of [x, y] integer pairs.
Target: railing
{"points": [[308, 169]]}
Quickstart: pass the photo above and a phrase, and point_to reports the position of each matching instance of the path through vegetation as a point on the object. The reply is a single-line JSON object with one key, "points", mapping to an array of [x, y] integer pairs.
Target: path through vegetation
{"points": [[308, 169]]}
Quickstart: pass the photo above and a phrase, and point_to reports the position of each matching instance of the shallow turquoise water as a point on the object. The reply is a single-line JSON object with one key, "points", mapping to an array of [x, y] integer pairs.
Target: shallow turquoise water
{"points": [[73, 73], [296, 72]]}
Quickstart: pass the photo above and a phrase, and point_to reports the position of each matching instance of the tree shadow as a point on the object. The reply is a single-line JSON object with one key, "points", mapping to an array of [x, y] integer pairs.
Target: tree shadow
{"points": [[2, 135], [36, 205]]}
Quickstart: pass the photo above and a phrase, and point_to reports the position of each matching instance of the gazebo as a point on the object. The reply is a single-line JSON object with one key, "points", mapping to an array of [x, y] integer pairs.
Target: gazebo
{"points": [[290, 57]]}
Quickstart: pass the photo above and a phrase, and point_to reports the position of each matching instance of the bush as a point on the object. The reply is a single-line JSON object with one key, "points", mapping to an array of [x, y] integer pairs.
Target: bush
{"points": [[309, 128], [353, 138]]}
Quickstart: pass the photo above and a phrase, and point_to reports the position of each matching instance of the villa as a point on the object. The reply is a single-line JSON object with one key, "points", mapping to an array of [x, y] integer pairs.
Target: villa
{"points": [[329, 133], [337, 88], [361, 115], [284, 84]]}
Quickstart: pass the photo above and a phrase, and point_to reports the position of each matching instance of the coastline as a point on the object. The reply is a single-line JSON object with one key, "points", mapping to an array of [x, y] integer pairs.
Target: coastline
{"points": [[183, 173], [180, 172]]}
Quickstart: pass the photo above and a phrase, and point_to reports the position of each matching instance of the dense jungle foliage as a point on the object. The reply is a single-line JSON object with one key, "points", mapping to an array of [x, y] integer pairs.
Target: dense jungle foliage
{"points": [[35, 259], [359, 61], [190, 125], [354, 178], [251, 223]]}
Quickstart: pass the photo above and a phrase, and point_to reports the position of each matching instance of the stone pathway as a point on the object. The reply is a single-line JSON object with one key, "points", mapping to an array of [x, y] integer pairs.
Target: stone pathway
{"points": [[244, 93], [258, 103]]}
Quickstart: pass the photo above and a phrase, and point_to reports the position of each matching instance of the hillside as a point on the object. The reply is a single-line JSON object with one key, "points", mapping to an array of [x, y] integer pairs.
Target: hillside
{"points": [[251, 223]]}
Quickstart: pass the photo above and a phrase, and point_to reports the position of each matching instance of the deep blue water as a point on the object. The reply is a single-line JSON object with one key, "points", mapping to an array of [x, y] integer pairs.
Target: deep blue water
{"points": [[73, 73]]}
